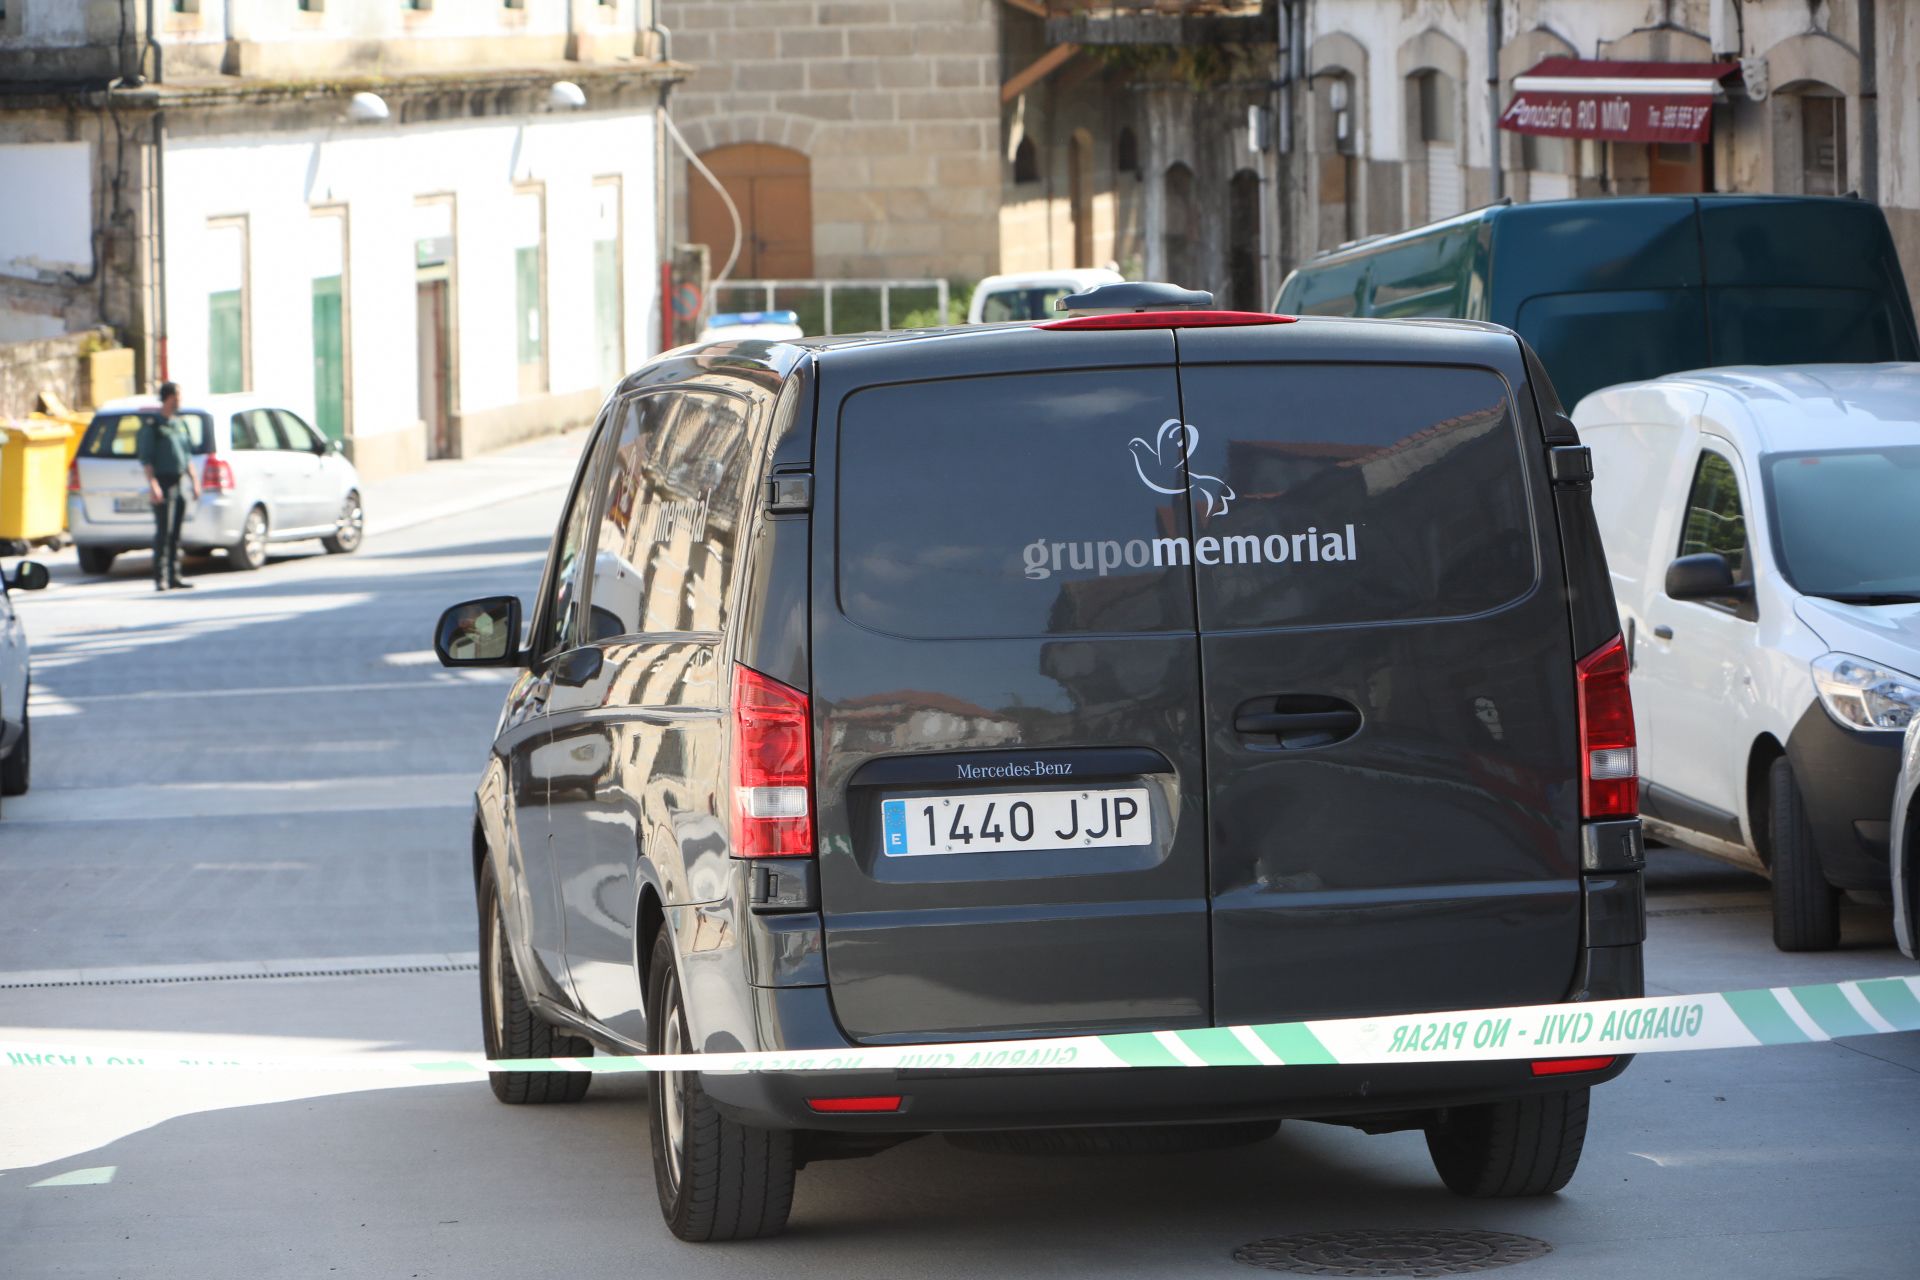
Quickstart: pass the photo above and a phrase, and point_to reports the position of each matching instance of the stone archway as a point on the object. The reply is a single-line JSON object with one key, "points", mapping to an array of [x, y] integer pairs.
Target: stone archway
{"points": [[1433, 71], [1537, 168], [1337, 64]]}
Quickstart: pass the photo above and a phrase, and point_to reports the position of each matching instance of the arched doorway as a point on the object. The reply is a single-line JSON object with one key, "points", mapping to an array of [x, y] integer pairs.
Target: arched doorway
{"points": [[1435, 113], [773, 187], [1178, 227], [1080, 195], [1243, 241]]}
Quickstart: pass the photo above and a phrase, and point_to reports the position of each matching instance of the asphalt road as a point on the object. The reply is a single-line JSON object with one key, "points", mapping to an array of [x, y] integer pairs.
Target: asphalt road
{"points": [[268, 775]]}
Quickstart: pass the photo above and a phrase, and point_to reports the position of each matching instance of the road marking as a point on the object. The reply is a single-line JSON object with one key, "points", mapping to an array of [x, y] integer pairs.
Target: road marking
{"points": [[450, 680], [215, 971], [98, 1177], [157, 801]]}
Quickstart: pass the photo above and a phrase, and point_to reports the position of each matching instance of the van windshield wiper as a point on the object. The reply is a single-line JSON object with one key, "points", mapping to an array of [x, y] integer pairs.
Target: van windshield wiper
{"points": [[1873, 597]]}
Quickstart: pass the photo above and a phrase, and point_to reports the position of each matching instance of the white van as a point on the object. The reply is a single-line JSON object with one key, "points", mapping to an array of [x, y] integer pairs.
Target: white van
{"points": [[1763, 530]]}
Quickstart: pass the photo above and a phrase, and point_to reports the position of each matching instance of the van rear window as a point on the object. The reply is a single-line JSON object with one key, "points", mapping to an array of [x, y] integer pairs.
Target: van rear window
{"points": [[1010, 506], [117, 435], [1332, 495], [1091, 503]]}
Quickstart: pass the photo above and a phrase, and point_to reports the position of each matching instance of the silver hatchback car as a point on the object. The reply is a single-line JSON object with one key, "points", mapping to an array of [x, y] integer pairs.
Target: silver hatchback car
{"points": [[265, 476]]}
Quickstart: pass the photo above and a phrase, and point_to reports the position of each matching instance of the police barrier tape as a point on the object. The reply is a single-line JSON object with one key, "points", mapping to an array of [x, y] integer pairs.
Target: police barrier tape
{"points": [[1653, 1024]]}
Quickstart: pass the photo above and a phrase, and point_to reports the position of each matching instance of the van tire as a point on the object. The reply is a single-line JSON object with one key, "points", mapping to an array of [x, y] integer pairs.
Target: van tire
{"points": [[97, 562], [726, 1180], [16, 771], [1526, 1146], [508, 1025], [1806, 909]]}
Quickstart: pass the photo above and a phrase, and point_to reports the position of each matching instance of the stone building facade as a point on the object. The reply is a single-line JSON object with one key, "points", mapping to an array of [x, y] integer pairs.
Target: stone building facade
{"points": [[1380, 114], [898, 139], [429, 231]]}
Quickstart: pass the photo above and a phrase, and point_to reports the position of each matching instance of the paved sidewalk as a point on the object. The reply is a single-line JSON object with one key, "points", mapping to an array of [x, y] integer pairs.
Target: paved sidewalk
{"points": [[465, 484]]}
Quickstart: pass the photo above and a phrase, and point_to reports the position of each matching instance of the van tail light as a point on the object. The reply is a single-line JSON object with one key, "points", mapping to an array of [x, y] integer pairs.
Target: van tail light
{"points": [[216, 476], [73, 476], [1609, 769], [1168, 320], [1569, 1066], [772, 768]]}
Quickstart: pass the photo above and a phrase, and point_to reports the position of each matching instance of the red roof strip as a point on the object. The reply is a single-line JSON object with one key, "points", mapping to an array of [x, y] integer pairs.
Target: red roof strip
{"points": [[1168, 320]]}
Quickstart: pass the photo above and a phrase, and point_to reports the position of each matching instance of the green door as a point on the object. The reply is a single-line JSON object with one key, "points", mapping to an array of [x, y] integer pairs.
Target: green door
{"points": [[226, 370], [329, 359], [606, 309]]}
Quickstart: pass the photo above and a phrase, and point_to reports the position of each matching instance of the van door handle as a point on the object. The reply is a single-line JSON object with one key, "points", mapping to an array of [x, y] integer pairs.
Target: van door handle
{"points": [[1309, 726], [1663, 632]]}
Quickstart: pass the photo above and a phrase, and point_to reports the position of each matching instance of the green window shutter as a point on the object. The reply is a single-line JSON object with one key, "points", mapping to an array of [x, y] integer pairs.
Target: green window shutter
{"points": [[226, 370], [329, 359], [527, 308]]}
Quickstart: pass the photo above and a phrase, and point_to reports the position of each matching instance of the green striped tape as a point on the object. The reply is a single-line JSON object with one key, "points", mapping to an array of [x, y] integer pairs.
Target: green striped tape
{"points": [[1653, 1024]]}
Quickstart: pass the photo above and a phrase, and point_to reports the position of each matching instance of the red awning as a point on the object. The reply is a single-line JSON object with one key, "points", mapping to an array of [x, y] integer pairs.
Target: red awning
{"points": [[1617, 101]]}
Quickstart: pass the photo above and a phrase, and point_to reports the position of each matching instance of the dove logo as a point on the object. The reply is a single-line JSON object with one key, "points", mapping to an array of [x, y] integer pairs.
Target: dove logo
{"points": [[1162, 467]]}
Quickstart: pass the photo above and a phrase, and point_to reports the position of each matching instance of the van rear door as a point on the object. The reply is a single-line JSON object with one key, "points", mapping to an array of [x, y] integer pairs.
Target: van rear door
{"points": [[1010, 812], [1387, 674]]}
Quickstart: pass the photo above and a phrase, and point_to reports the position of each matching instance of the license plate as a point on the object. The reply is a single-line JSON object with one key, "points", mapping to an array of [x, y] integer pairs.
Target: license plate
{"points": [[132, 503], [1096, 818]]}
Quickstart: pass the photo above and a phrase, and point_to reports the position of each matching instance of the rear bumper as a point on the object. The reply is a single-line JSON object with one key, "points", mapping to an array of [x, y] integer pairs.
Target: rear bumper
{"points": [[212, 522], [955, 1101], [1847, 780], [959, 1101]]}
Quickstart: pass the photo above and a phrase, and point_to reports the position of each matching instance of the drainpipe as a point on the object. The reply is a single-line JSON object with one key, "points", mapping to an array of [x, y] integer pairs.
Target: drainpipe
{"points": [[1494, 169], [1869, 104], [160, 236], [663, 168], [153, 40], [1289, 163]]}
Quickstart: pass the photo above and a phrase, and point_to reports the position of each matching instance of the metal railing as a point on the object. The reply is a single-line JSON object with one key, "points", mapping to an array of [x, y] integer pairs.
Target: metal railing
{"points": [[767, 295]]}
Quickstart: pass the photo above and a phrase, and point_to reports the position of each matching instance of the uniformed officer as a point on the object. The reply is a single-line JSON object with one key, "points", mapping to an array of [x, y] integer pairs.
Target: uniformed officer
{"points": [[166, 452]]}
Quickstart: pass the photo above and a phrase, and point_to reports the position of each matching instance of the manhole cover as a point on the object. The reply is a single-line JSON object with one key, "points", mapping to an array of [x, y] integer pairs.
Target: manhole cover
{"points": [[1391, 1253]]}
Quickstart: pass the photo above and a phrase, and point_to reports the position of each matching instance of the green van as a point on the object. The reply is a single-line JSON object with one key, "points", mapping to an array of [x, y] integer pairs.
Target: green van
{"points": [[1630, 287]]}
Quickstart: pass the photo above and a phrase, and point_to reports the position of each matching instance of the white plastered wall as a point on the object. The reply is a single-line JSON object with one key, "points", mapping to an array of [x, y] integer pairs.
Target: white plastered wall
{"points": [[277, 181]]}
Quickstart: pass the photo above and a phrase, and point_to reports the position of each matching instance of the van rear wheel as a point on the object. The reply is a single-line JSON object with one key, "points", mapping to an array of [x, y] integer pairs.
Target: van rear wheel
{"points": [[96, 561], [1806, 909], [718, 1179], [1520, 1147]]}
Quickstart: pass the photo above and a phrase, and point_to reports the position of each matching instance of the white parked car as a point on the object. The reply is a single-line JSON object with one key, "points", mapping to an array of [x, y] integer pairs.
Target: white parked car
{"points": [[16, 671], [265, 477], [1906, 847], [1763, 529], [1031, 295]]}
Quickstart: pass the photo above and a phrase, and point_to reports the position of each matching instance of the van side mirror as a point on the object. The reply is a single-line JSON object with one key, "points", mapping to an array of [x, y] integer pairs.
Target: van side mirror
{"points": [[480, 633], [1705, 576], [29, 575]]}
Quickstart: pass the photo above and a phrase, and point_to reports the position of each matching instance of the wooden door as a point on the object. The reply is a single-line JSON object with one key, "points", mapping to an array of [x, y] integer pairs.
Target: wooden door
{"points": [[1676, 168], [773, 188]]}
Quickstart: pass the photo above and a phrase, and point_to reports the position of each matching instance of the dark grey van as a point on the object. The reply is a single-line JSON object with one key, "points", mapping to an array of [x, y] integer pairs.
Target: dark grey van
{"points": [[1154, 670], [1624, 288]]}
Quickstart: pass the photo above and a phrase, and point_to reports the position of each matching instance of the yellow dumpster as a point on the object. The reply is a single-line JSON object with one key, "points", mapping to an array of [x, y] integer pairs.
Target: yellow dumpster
{"points": [[33, 480]]}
